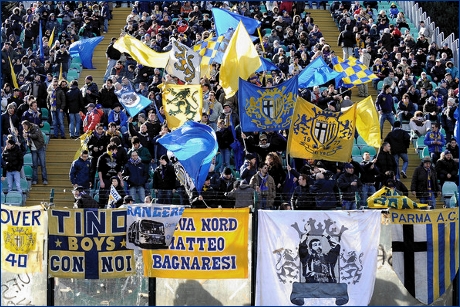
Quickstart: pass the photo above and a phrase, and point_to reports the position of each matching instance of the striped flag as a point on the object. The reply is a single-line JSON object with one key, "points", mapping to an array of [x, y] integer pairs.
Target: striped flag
{"points": [[113, 197], [425, 250]]}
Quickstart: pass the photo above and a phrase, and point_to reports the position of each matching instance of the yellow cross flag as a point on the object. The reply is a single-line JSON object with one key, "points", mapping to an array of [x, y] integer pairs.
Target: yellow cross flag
{"points": [[141, 52], [367, 122], [240, 60], [321, 134]]}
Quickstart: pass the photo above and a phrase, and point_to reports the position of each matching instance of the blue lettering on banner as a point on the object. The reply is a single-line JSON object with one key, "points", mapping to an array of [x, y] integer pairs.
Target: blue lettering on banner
{"points": [[20, 218], [203, 263], [146, 211], [72, 264], [410, 217], [186, 224], [61, 215], [200, 243], [219, 224], [119, 263]]}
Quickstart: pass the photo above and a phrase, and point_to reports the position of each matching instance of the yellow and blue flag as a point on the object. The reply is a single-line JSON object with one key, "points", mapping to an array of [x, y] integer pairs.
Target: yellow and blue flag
{"points": [[266, 108], [194, 145], [114, 196], [425, 250], [321, 134], [316, 73], [13, 75], [85, 49], [367, 122], [240, 61], [132, 101], [225, 20], [181, 103], [212, 50], [355, 72], [141, 53]]}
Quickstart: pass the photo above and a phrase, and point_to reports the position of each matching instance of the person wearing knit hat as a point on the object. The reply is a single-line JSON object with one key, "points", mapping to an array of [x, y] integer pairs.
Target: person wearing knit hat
{"points": [[424, 184], [447, 168]]}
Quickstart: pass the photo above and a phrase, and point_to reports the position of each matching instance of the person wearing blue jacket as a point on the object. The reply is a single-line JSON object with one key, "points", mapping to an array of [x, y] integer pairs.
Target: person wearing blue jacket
{"points": [[118, 117], [385, 106], [80, 171], [136, 174]]}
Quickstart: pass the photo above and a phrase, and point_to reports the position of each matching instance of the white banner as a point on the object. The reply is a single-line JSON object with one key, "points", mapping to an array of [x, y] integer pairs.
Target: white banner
{"points": [[317, 257], [151, 226], [184, 63]]}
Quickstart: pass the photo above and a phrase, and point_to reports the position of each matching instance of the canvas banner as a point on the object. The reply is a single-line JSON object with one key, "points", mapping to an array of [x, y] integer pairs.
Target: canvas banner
{"points": [[151, 226], [89, 244], [425, 250], [24, 230], [207, 244], [317, 258]]}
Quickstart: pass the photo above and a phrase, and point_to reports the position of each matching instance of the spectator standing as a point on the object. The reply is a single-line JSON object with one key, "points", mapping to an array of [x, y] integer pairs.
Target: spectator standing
{"points": [[164, 181], [136, 174], [75, 105], [301, 198], [264, 184], [385, 106], [369, 177], [424, 184], [13, 160], [57, 105], [34, 138], [80, 171], [349, 184], [385, 161], [399, 140], [107, 167]]}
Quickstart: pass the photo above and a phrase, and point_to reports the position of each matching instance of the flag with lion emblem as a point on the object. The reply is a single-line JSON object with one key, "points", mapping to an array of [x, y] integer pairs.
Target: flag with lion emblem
{"points": [[317, 258], [184, 63]]}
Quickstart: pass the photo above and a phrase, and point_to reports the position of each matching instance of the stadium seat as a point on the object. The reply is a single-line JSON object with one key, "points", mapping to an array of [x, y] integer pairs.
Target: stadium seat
{"points": [[45, 114], [360, 141], [420, 143], [424, 153], [28, 171], [448, 190], [46, 128], [379, 85], [14, 198], [28, 159]]}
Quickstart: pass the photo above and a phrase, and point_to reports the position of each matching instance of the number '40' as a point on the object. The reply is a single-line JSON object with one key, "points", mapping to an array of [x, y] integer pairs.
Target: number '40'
{"points": [[21, 260]]}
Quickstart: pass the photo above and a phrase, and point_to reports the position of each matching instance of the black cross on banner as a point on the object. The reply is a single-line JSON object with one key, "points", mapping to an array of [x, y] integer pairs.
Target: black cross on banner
{"points": [[408, 246]]}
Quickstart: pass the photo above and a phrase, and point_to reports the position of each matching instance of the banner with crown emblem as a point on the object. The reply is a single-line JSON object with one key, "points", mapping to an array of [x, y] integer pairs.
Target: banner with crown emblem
{"points": [[181, 103], [24, 229], [321, 134], [266, 108], [317, 258], [184, 63]]}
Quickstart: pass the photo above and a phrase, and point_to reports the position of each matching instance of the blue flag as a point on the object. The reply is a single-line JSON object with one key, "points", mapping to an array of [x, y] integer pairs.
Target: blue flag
{"points": [[40, 43], [194, 145], [225, 20], [267, 65], [160, 117], [266, 109], [317, 73], [84, 49], [132, 102]]}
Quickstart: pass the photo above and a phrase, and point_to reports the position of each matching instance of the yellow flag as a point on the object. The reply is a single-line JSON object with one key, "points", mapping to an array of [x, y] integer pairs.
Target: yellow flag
{"points": [[141, 52], [367, 122], [51, 40], [386, 198], [13, 75], [60, 72], [240, 60], [321, 134], [181, 103]]}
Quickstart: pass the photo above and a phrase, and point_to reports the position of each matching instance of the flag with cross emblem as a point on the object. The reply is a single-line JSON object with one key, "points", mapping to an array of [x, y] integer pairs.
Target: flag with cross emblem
{"points": [[425, 250], [266, 108]]}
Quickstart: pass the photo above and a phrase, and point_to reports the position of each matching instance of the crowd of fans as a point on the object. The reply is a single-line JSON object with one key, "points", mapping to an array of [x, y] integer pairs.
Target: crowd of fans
{"points": [[418, 81]]}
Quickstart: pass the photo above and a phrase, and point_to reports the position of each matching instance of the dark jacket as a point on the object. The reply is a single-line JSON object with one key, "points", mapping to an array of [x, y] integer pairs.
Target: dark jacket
{"points": [[164, 177], [12, 159], [223, 186], [385, 162], [399, 140], [86, 201], [74, 100], [369, 175], [419, 182], [344, 183], [445, 166], [33, 117], [135, 173], [107, 97], [224, 137], [301, 199], [60, 99], [35, 135], [346, 38], [80, 171], [385, 103], [324, 191]]}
